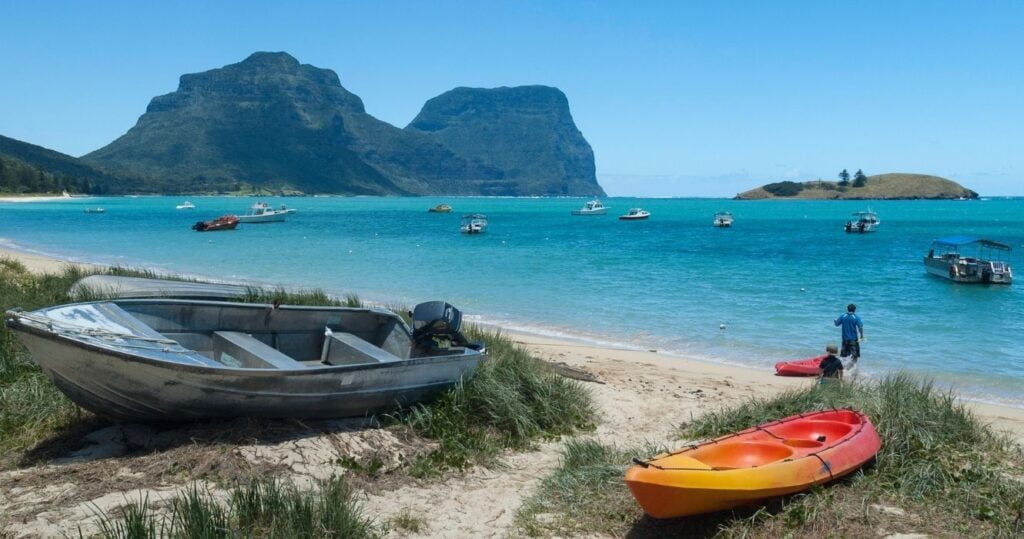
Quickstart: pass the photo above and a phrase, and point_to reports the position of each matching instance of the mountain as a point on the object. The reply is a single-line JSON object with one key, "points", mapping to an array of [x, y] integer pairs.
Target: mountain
{"points": [[26, 167], [272, 122], [527, 132], [892, 186]]}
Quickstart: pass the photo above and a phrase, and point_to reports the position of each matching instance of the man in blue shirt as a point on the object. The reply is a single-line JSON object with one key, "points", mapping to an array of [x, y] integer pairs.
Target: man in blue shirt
{"points": [[852, 325]]}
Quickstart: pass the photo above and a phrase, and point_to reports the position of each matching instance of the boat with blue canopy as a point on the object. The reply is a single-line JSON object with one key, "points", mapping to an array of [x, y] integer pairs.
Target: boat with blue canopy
{"points": [[968, 259]]}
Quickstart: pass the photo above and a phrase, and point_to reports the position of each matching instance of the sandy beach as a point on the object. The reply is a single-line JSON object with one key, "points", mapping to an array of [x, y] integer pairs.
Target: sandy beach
{"points": [[34, 198], [642, 395]]}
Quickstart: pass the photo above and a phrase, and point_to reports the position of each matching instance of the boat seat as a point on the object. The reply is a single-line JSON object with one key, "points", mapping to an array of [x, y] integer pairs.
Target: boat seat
{"points": [[342, 348], [121, 317], [250, 352]]}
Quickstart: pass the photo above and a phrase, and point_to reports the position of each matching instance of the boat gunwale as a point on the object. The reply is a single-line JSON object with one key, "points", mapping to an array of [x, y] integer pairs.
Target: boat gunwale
{"points": [[649, 463], [13, 322]]}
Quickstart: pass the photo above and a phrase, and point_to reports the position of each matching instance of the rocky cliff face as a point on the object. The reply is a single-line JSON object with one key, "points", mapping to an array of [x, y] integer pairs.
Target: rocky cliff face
{"points": [[270, 121], [527, 132]]}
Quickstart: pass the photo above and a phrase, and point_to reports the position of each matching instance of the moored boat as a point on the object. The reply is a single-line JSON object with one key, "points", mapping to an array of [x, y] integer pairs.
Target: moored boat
{"points": [[948, 259], [94, 210], [261, 212], [179, 360], [592, 207], [800, 367], [635, 214], [866, 221], [723, 219], [773, 459], [473, 223], [224, 222], [441, 208], [185, 206]]}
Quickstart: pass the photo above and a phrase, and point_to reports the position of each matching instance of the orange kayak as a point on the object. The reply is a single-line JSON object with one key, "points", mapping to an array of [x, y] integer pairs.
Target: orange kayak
{"points": [[769, 460]]}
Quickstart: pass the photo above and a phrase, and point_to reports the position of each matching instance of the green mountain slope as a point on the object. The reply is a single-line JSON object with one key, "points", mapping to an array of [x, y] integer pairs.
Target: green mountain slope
{"points": [[27, 168], [527, 132], [272, 122]]}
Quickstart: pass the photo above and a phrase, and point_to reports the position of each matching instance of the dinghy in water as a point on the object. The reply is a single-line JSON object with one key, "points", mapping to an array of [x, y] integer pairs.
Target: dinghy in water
{"points": [[179, 360]]}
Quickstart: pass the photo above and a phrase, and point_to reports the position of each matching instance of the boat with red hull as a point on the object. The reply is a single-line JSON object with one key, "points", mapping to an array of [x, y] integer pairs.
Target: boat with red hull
{"points": [[800, 367], [224, 222]]}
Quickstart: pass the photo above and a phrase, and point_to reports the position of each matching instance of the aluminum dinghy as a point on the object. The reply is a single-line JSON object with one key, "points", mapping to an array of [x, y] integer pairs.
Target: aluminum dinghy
{"points": [[180, 360], [116, 286]]}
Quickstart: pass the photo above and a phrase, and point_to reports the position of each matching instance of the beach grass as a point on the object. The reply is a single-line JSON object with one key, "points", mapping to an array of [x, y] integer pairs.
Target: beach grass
{"points": [[260, 508], [512, 400], [940, 470]]}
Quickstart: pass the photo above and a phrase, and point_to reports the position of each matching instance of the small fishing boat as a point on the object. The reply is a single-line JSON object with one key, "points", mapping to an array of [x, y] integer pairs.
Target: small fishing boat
{"points": [[94, 210], [441, 208], [866, 221], [635, 214], [182, 360], [723, 219], [261, 212], [948, 260], [116, 286], [592, 207], [224, 222], [473, 223], [185, 206], [769, 460], [800, 367]]}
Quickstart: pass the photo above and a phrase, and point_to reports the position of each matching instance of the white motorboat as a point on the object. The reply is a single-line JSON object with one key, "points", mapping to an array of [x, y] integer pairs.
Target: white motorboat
{"points": [[592, 207], [635, 214], [185, 206], [866, 221], [261, 212], [947, 259], [723, 219], [473, 223]]}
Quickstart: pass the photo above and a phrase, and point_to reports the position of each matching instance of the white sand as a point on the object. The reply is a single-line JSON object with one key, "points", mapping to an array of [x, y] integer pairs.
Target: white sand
{"points": [[35, 198], [642, 396]]}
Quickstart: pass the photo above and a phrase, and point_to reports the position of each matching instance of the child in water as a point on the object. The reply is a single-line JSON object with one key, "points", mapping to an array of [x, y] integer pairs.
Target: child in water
{"points": [[831, 366]]}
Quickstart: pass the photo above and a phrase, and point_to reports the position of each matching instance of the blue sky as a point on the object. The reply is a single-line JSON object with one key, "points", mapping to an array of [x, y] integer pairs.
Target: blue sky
{"points": [[676, 98]]}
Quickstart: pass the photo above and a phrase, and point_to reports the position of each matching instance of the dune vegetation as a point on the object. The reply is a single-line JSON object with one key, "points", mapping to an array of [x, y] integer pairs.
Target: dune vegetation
{"points": [[940, 470]]}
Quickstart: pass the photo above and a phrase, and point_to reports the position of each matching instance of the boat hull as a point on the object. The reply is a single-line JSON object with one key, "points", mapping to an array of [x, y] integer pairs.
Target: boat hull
{"points": [[128, 388], [773, 459], [275, 218], [602, 211], [633, 217], [800, 367], [943, 269]]}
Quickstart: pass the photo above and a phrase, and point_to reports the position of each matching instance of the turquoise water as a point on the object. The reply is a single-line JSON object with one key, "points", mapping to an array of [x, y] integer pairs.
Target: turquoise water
{"points": [[776, 280]]}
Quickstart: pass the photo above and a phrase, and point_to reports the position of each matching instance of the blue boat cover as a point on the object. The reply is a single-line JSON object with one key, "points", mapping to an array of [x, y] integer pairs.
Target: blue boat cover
{"points": [[959, 241]]}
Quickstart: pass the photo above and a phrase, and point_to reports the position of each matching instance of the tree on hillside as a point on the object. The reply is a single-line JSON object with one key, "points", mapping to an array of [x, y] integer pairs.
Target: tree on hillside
{"points": [[859, 179], [844, 178]]}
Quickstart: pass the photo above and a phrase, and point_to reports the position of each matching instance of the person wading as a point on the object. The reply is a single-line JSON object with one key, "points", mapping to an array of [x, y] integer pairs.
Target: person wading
{"points": [[853, 333]]}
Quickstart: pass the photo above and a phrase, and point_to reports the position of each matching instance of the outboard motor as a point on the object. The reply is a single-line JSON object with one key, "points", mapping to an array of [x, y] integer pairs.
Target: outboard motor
{"points": [[435, 328]]}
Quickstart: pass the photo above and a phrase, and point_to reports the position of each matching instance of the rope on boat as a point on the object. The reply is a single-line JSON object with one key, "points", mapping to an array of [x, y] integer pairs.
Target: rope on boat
{"points": [[67, 330]]}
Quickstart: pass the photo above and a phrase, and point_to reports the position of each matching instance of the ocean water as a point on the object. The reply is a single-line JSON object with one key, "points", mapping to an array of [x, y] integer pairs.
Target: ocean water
{"points": [[776, 280]]}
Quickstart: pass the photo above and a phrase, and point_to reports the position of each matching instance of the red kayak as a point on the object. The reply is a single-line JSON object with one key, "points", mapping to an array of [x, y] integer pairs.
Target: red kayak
{"points": [[799, 367]]}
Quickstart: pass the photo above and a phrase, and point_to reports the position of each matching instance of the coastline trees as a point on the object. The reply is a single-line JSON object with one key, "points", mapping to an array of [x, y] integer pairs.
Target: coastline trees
{"points": [[844, 178], [859, 179]]}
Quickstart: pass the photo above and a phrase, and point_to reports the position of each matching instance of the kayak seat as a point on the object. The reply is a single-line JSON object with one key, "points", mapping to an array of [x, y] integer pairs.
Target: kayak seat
{"points": [[342, 348], [249, 352]]}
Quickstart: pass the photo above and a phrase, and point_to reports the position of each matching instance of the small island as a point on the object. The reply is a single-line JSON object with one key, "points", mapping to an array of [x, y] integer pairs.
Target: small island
{"points": [[891, 186]]}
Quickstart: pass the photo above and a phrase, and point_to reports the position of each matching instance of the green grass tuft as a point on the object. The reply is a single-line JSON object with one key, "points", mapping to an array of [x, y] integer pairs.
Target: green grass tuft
{"points": [[261, 508], [511, 400]]}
